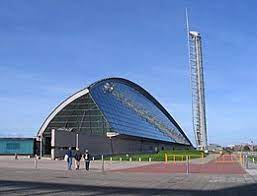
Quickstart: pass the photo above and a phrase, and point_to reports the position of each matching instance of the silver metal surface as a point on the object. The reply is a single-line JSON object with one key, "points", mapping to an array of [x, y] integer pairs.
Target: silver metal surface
{"points": [[197, 85]]}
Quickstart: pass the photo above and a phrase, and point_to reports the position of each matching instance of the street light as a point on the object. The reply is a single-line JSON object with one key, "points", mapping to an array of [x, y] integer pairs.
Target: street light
{"points": [[40, 138]]}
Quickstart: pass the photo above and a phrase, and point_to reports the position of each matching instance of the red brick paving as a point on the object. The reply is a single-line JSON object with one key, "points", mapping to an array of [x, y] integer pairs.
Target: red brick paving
{"points": [[223, 165]]}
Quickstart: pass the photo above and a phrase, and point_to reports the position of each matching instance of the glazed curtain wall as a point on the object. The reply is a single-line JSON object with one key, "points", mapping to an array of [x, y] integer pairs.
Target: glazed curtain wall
{"points": [[130, 112], [81, 115]]}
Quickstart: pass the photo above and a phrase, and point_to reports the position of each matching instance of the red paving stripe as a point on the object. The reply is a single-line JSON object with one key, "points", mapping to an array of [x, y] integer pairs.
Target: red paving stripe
{"points": [[211, 167]]}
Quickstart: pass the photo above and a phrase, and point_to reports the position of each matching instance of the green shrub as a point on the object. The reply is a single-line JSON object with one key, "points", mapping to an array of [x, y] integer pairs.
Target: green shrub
{"points": [[160, 156]]}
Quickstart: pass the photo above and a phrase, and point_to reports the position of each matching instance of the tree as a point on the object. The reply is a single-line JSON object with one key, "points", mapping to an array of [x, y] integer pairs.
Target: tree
{"points": [[246, 148]]}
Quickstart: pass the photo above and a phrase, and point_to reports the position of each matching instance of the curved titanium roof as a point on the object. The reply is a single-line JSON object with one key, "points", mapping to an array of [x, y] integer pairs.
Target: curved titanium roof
{"points": [[92, 90]]}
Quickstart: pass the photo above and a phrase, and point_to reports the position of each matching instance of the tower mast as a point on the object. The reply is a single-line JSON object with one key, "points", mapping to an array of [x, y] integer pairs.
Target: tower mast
{"points": [[197, 85]]}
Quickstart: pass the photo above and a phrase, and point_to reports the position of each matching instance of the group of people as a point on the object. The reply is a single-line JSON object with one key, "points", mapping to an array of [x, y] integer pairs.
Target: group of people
{"points": [[77, 156]]}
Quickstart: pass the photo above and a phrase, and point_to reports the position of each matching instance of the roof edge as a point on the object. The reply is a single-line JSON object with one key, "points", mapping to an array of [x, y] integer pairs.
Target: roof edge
{"points": [[60, 107]]}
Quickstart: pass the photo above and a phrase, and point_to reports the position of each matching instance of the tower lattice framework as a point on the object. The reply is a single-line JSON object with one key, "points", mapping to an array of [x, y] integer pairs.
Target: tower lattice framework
{"points": [[198, 92]]}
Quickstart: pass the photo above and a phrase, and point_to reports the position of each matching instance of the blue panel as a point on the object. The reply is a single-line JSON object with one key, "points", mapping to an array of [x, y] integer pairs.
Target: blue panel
{"points": [[129, 112], [16, 145]]}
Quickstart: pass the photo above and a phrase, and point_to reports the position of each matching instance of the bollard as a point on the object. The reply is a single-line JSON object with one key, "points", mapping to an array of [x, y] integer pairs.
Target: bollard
{"points": [[35, 161], [139, 159], [174, 158], [241, 159], [93, 158], [165, 157], [187, 165], [130, 159], [120, 159], [102, 163], [246, 161], [15, 156], [110, 158], [253, 160], [150, 159]]}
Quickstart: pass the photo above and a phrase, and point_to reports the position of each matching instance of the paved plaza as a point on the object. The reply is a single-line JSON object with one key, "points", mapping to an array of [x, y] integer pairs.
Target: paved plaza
{"points": [[20, 177], [225, 164]]}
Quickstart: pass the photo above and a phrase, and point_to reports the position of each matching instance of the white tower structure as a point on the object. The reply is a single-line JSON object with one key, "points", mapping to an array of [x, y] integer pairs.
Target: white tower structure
{"points": [[197, 85]]}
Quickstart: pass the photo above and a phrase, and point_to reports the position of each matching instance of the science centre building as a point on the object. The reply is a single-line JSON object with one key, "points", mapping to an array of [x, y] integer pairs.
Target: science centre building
{"points": [[111, 116]]}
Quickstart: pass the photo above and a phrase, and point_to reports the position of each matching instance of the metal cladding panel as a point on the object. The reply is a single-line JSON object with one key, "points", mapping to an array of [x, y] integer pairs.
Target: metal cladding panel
{"points": [[64, 139], [101, 145], [16, 145], [130, 112]]}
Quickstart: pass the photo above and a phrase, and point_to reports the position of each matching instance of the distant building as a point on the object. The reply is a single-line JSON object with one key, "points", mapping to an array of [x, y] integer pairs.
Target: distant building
{"points": [[20, 146], [214, 148], [243, 147]]}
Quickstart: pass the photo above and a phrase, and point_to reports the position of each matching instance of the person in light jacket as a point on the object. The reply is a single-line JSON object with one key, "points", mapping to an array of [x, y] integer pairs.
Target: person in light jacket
{"points": [[87, 158]]}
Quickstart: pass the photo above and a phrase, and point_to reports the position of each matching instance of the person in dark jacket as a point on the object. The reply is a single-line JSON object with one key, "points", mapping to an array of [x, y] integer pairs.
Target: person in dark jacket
{"points": [[87, 158], [77, 158], [69, 158]]}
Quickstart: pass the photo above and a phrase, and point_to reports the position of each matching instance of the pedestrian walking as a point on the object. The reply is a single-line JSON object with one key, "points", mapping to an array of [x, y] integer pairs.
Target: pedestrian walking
{"points": [[77, 158], [68, 158], [87, 158]]}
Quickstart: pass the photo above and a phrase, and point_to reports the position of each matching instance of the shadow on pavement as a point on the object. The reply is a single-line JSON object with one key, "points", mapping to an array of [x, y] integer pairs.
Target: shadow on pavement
{"points": [[40, 188]]}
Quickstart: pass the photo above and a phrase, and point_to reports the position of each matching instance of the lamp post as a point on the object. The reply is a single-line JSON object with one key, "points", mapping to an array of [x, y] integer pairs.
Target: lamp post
{"points": [[77, 140], [40, 146]]}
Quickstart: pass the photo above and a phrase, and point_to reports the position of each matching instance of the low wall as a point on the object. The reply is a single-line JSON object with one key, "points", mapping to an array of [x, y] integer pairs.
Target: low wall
{"points": [[100, 144]]}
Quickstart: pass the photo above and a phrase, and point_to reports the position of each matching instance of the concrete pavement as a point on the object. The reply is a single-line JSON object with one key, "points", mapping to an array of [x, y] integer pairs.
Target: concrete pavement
{"points": [[59, 182], [19, 177], [96, 165]]}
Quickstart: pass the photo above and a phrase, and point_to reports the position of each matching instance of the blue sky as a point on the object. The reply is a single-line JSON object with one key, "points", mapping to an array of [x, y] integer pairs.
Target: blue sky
{"points": [[50, 49]]}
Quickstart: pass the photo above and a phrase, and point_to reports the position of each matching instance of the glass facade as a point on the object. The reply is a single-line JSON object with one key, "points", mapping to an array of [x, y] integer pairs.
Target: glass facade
{"points": [[121, 106], [81, 115], [130, 112]]}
